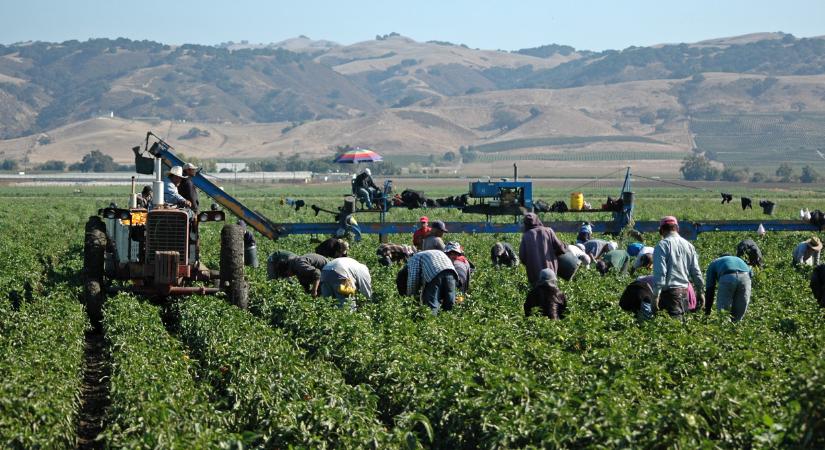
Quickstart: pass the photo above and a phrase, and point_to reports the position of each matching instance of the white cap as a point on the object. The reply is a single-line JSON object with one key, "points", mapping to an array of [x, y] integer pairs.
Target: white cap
{"points": [[176, 171], [189, 166], [367, 171], [612, 245]]}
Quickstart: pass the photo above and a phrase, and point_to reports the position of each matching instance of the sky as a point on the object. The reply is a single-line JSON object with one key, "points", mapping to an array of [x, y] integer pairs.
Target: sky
{"points": [[507, 25]]}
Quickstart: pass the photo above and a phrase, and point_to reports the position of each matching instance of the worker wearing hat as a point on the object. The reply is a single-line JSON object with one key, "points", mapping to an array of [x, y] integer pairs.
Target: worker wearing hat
{"points": [[463, 267], [364, 187], [675, 265], [174, 178], [187, 188], [807, 252], [434, 240], [422, 231]]}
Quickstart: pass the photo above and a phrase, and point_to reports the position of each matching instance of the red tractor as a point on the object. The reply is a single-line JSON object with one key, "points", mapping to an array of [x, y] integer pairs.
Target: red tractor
{"points": [[156, 252]]}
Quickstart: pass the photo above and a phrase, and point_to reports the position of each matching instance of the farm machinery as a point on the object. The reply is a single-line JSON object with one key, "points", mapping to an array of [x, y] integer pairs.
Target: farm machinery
{"points": [[157, 250]]}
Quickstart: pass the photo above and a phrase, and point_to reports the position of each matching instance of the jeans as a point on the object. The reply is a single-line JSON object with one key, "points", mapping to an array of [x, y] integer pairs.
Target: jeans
{"points": [[440, 292], [734, 294], [674, 301], [645, 312], [365, 195]]}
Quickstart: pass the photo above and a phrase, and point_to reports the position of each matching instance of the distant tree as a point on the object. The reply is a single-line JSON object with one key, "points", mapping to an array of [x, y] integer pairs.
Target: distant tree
{"points": [[647, 118], [785, 172], [95, 161], [809, 175], [53, 166], [448, 156], [736, 175], [696, 167], [759, 177], [9, 165]]}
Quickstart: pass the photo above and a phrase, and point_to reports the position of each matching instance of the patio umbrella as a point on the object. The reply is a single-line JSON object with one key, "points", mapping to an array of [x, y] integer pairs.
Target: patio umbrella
{"points": [[358, 155]]}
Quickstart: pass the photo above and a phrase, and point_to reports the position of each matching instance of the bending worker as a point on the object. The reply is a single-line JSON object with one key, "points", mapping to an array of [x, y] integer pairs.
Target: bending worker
{"points": [[734, 277]]}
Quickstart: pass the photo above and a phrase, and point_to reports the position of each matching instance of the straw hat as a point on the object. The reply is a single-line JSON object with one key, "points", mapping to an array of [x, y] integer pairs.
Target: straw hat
{"points": [[815, 244], [176, 171]]}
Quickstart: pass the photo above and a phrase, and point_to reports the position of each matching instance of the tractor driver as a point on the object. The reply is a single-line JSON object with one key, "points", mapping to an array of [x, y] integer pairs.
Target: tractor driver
{"points": [[174, 177], [187, 188]]}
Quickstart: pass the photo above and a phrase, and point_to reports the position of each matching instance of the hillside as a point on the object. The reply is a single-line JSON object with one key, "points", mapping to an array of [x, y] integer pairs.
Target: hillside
{"points": [[412, 101]]}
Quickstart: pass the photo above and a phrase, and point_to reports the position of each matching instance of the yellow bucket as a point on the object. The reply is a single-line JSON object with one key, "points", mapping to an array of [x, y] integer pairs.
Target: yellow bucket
{"points": [[576, 201]]}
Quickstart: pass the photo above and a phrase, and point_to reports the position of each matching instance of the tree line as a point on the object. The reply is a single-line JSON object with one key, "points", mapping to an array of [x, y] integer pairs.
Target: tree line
{"points": [[698, 167]]}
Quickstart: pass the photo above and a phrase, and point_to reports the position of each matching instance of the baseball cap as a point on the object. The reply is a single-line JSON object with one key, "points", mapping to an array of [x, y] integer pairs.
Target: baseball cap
{"points": [[424, 219], [439, 225], [668, 220]]}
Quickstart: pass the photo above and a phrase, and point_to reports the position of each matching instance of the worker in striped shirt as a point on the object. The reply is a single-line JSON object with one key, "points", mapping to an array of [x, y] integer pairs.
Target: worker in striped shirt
{"points": [[432, 274]]}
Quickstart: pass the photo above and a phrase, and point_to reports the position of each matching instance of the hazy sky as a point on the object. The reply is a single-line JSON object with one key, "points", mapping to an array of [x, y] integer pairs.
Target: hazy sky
{"points": [[508, 25]]}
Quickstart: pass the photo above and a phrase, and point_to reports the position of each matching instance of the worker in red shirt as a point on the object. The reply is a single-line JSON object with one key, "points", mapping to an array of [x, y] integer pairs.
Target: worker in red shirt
{"points": [[422, 231]]}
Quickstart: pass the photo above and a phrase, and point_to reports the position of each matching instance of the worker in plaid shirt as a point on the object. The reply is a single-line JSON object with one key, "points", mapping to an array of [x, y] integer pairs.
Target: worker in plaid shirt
{"points": [[432, 273]]}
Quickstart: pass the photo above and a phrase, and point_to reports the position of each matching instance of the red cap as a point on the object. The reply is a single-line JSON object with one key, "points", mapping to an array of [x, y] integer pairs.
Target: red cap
{"points": [[669, 220], [424, 219]]}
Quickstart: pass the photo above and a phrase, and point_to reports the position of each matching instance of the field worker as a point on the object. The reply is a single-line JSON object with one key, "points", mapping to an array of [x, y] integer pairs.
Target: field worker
{"points": [[342, 278], [546, 296], [807, 252], [638, 298], [250, 250], [691, 293], [502, 254], [347, 224], [642, 254], [540, 248], [422, 231], [463, 267], [145, 197], [675, 265], [818, 284], [174, 177], [597, 247], [434, 240], [750, 252], [187, 187], [275, 263], [390, 253], [332, 248], [614, 259], [364, 187], [585, 233], [578, 251], [432, 274], [734, 277], [306, 268]]}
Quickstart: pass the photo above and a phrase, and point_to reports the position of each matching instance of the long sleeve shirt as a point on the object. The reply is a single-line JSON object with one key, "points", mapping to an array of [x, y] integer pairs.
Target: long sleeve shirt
{"points": [[540, 249], [595, 247], [423, 266], [170, 193], [675, 265], [722, 266], [349, 268], [803, 254], [618, 259], [637, 263], [188, 191]]}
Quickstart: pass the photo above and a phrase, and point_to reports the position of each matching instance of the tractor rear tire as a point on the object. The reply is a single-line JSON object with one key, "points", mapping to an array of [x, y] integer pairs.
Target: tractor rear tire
{"points": [[232, 266], [94, 250], [93, 298]]}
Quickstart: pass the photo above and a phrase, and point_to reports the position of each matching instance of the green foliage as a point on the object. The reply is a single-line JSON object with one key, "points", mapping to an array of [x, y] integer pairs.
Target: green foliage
{"points": [[269, 386], [52, 165], [96, 161], [698, 167], [809, 175], [785, 172], [41, 372], [10, 165], [155, 401]]}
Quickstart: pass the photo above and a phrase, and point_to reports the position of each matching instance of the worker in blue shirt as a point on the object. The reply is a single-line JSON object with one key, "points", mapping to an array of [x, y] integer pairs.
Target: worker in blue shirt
{"points": [[734, 277]]}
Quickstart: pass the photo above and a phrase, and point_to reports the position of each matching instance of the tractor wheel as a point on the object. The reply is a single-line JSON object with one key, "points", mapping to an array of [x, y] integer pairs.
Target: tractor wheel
{"points": [[93, 297], [232, 265], [94, 250]]}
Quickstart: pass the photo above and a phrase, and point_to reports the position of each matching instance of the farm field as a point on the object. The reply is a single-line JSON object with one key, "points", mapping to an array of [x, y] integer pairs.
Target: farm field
{"points": [[296, 371]]}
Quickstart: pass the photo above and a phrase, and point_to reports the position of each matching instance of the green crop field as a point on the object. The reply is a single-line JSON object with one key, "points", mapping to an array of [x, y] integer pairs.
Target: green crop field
{"points": [[294, 371]]}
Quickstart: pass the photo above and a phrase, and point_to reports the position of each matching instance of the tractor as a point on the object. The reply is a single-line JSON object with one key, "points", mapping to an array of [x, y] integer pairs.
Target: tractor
{"points": [[155, 252]]}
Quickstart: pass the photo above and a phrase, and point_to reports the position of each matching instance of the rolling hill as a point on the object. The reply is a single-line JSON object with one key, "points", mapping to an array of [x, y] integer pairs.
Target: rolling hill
{"points": [[553, 104]]}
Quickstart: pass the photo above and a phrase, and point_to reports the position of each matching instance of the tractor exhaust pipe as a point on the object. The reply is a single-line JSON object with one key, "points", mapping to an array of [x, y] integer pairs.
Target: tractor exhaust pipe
{"points": [[157, 185], [133, 196], [515, 172]]}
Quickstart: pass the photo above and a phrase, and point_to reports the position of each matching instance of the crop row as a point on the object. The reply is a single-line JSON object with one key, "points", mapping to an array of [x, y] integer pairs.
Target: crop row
{"points": [[41, 371], [273, 393], [485, 376], [155, 403]]}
